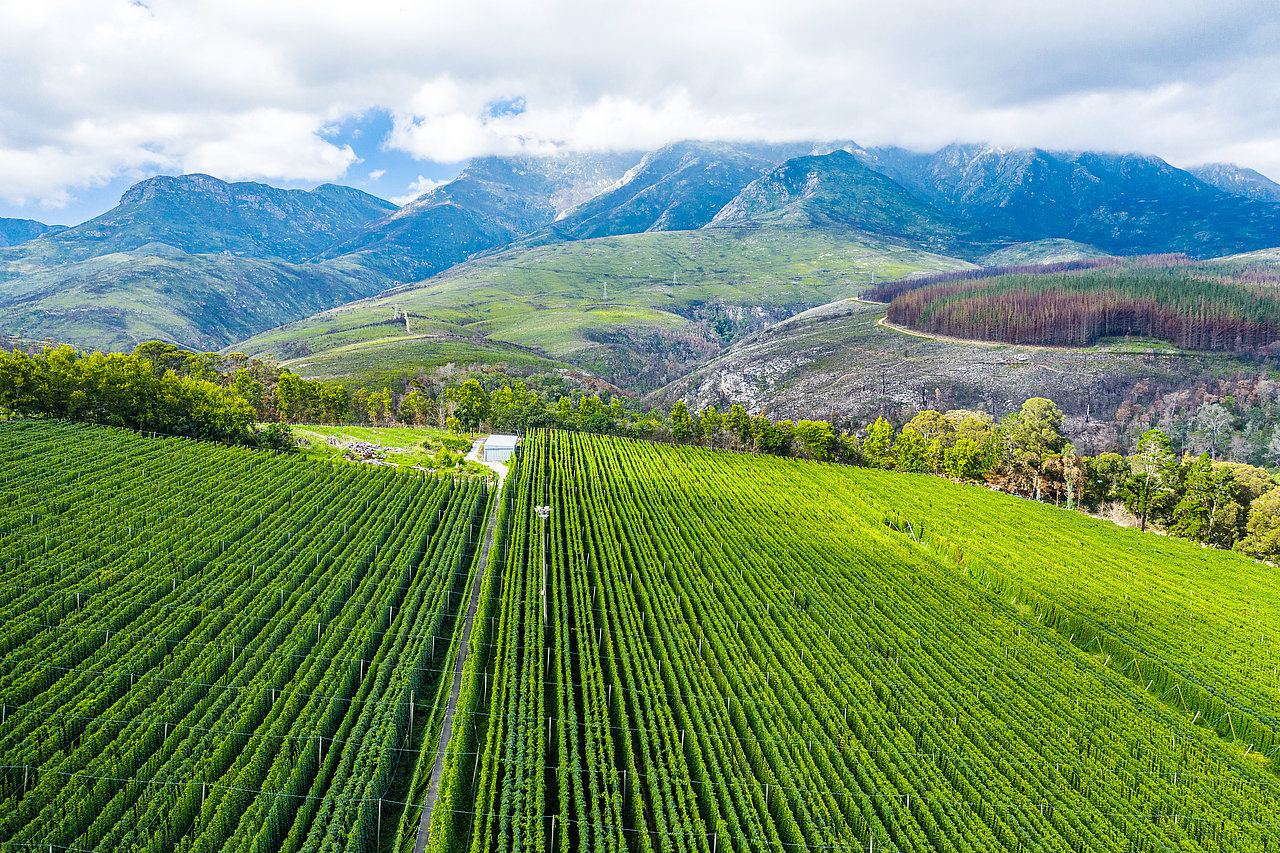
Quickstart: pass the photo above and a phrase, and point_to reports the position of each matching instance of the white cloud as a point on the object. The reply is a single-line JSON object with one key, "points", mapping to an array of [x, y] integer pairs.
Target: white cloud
{"points": [[97, 89], [418, 188], [263, 143]]}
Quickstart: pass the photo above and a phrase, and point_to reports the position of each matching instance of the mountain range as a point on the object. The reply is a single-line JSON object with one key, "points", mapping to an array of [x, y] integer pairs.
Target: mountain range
{"points": [[202, 262]]}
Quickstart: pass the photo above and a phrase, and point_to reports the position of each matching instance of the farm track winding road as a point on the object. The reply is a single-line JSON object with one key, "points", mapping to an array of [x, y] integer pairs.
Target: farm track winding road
{"points": [[446, 729]]}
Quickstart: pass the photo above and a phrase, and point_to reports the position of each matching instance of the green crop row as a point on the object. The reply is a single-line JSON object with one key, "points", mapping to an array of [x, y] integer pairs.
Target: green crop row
{"points": [[210, 648], [703, 651]]}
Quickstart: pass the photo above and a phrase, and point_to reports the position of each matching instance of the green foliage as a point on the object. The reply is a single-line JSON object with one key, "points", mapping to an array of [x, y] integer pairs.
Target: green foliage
{"points": [[770, 437], [1207, 512], [740, 650], [515, 408], [1263, 528], [911, 452], [740, 425], [1033, 437], [470, 404], [681, 422], [1105, 476], [878, 447], [246, 650], [816, 438], [1150, 487], [965, 460], [125, 391]]}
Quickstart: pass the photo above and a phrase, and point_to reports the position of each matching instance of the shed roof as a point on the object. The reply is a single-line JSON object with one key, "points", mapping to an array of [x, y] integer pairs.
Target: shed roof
{"points": [[501, 442]]}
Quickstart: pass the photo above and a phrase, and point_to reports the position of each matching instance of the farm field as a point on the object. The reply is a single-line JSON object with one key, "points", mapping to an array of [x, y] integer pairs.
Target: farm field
{"points": [[211, 648], [1199, 624], [705, 651], [437, 450]]}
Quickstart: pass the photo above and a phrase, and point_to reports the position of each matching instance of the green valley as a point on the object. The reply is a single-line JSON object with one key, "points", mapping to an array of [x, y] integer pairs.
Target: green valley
{"points": [[637, 310]]}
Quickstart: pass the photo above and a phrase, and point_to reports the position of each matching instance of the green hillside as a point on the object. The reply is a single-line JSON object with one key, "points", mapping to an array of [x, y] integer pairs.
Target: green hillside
{"points": [[706, 650], [673, 299], [114, 302]]}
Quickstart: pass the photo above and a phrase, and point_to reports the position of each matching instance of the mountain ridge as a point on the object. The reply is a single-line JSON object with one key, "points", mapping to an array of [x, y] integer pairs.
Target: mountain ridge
{"points": [[16, 231], [965, 202]]}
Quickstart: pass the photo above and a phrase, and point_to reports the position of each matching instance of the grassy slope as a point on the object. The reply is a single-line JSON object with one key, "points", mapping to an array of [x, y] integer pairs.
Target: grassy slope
{"points": [[118, 300], [551, 300], [403, 446]]}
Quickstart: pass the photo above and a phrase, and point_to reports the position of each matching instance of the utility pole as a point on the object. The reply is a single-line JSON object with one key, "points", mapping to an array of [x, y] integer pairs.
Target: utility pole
{"points": [[543, 513]]}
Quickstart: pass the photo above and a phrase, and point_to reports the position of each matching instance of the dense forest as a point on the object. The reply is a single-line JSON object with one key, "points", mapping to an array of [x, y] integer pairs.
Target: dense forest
{"points": [[890, 290], [1192, 306]]}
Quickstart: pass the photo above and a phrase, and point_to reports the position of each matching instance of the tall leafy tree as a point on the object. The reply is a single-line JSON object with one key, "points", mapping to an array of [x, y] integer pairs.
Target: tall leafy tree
{"points": [[1152, 476], [681, 422], [1033, 436], [966, 459], [740, 425], [877, 448], [1208, 511], [911, 451], [817, 438], [471, 404]]}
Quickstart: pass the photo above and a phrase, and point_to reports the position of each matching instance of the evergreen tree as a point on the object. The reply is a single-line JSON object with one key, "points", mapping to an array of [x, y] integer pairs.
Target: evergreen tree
{"points": [[471, 404], [1207, 511], [740, 425]]}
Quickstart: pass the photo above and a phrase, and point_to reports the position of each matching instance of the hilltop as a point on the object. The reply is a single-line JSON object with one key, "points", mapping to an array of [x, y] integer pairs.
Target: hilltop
{"points": [[636, 310]]}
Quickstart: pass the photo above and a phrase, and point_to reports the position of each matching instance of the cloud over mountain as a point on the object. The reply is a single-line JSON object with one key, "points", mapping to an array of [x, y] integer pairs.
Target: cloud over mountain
{"points": [[99, 90]]}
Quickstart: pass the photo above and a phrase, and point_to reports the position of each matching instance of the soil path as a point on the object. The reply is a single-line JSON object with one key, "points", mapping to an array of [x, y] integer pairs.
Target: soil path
{"points": [[446, 729]]}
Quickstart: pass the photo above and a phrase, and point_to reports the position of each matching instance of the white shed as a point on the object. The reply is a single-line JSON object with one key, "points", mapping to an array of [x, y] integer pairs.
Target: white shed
{"points": [[500, 448]]}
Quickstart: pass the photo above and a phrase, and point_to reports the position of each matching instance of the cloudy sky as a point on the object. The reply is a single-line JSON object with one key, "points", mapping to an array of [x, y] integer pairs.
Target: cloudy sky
{"points": [[392, 95]]}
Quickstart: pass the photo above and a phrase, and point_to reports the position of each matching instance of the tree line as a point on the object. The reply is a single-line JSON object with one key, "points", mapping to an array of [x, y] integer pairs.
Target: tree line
{"points": [[127, 390], [890, 290], [1197, 307], [163, 389], [237, 400]]}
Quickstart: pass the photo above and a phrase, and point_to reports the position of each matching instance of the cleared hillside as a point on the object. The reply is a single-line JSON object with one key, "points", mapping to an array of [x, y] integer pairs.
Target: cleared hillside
{"points": [[841, 361]]}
